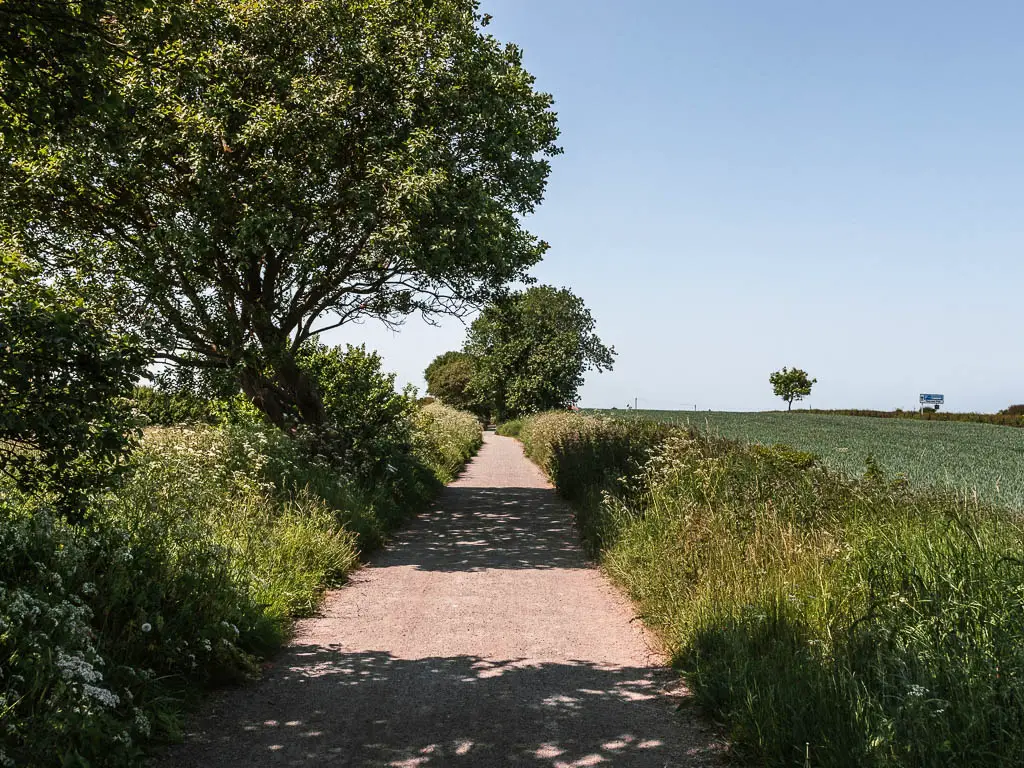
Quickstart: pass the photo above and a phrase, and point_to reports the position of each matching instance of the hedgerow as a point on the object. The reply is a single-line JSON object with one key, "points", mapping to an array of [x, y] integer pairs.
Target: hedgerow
{"points": [[185, 576], [826, 621]]}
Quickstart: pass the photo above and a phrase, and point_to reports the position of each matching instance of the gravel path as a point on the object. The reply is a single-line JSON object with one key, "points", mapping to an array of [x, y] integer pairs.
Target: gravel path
{"points": [[480, 637]]}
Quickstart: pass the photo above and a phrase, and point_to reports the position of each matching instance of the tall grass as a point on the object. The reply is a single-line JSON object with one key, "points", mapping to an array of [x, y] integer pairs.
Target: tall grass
{"points": [[445, 438], [185, 577], [959, 456], [828, 621]]}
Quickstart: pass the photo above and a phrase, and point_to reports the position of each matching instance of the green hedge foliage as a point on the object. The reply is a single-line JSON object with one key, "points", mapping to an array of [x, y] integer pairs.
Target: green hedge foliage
{"points": [[184, 577]]}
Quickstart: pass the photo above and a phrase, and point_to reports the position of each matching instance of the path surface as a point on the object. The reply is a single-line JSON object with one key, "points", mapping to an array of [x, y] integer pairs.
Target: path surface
{"points": [[480, 637]]}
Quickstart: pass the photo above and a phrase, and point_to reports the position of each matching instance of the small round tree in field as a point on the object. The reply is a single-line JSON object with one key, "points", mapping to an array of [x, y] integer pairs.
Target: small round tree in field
{"points": [[791, 384]]}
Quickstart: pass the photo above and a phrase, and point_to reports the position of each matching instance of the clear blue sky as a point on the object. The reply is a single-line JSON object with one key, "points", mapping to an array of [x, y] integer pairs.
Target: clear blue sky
{"points": [[746, 185]]}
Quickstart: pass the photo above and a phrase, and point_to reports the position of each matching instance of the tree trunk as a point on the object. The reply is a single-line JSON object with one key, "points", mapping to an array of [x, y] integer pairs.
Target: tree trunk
{"points": [[284, 392], [790, 403]]}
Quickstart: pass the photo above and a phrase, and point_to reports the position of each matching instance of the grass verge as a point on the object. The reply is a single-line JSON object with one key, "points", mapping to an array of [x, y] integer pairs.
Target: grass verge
{"points": [[827, 620], [186, 577]]}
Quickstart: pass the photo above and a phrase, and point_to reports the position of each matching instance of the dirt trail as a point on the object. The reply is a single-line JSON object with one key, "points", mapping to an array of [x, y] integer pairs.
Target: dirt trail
{"points": [[480, 637]]}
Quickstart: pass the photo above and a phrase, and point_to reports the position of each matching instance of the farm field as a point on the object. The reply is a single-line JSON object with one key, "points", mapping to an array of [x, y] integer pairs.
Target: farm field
{"points": [[967, 457]]}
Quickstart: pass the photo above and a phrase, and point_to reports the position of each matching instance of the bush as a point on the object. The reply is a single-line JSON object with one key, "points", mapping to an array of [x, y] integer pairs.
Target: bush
{"points": [[1013, 410], [445, 439], [368, 425], [838, 622], [185, 576], [170, 409], [510, 428], [66, 373]]}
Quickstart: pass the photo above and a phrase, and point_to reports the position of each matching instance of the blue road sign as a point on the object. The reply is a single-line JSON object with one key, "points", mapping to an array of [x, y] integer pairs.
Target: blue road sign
{"points": [[933, 399]]}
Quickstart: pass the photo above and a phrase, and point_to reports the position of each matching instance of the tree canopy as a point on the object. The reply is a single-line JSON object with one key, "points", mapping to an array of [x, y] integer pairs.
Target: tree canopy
{"points": [[532, 349], [275, 169], [65, 376], [791, 384], [449, 377]]}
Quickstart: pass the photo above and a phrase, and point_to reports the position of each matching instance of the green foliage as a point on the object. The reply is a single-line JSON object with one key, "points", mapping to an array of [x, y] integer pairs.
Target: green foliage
{"points": [[65, 374], [1013, 410], [532, 349], [510, 428], [276, 168], [836, 621], [54, 63], [445, 439], [791, 384], [784, 454], [191, 572], [166, 409], [448, 379], [971, 459], [367, 425]]}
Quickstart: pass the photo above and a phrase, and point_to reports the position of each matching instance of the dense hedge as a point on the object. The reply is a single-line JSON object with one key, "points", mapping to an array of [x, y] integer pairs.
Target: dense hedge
{"points": [[185, 576], [825, 621], [166, 409]]}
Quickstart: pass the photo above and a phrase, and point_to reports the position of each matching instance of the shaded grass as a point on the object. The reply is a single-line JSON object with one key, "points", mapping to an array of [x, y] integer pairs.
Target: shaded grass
{"points": [[826, 620]]}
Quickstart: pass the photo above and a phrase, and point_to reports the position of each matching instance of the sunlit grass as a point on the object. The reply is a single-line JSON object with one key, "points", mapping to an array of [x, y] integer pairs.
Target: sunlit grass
{"points": [[967, 458], [826, 620]]}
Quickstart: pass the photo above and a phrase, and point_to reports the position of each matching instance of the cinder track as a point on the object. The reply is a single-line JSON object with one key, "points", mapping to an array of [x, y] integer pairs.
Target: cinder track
{"points": [[480, 637]]}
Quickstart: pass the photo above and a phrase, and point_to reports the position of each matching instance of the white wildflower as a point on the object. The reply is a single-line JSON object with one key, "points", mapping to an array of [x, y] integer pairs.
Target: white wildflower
{"points": [[916, 691], [74, 668], [102, 695], [147, 627], [142, 723]]}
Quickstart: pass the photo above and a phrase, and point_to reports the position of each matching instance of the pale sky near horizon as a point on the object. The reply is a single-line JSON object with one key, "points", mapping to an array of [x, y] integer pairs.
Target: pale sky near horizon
{"points": [[750, 185]]}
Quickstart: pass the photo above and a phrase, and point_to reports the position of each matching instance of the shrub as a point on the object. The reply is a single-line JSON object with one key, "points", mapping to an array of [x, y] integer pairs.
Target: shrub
{"points": [[824, 620], [186, 575], [66, 373], [167, 409], [368, 425], [445, 439], [100, 628], [510, 428]]}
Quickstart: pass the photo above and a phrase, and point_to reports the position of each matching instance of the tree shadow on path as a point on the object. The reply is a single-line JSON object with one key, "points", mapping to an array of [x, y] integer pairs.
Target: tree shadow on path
{"points": [[485, 528], [332, 708]]}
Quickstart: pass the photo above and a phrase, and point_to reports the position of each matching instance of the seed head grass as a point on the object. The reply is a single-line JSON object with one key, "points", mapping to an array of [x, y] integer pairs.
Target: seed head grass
{"points": [[827, 619]]}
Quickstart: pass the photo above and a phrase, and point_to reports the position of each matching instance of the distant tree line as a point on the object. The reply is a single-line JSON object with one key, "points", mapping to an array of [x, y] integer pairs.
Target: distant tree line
{"points": [[1008, 417]]}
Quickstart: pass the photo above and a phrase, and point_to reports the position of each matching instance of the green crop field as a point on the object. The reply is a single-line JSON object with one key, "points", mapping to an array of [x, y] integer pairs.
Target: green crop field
{"points": [[971, 458]]}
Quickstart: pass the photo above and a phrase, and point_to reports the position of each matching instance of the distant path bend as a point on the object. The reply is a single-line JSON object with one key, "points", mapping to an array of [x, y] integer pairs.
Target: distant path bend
{"points": [[480, 636]]}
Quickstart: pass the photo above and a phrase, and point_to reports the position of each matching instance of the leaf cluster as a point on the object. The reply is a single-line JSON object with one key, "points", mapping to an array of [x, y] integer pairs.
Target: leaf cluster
{"points": [[532, 349], [65, 376]]}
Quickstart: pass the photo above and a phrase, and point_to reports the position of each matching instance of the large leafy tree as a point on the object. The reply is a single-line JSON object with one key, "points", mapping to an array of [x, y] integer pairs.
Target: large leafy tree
{"points": [[532, 349], [449, 376], [274, 169]]}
